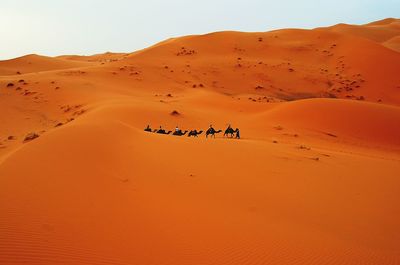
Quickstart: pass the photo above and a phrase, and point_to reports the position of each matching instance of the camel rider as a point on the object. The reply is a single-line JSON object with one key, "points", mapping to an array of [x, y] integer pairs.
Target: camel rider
{"points": [[237, 133], [177, 129]]}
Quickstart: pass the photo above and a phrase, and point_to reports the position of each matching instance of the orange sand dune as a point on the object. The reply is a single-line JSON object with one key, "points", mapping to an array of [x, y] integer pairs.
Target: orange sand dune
{"points": [[314, 179], [288, 64], [385, 21], [379, 31], [35, 63], [362, 122], [106, 57], [119, 195]]}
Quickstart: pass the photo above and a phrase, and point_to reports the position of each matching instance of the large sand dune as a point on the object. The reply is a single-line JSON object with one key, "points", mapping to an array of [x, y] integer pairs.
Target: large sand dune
{"points": [[314, 179]]}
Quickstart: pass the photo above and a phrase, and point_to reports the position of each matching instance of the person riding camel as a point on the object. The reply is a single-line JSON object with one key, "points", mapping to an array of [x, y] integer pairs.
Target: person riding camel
{"points": [[237, 133]]}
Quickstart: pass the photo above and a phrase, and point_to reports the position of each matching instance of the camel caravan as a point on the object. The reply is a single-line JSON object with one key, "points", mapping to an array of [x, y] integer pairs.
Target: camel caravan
{"points": [[229, 132]]}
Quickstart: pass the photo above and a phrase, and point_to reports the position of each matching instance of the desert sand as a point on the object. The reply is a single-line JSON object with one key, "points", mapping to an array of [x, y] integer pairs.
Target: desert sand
{"points": [[314, 179]]}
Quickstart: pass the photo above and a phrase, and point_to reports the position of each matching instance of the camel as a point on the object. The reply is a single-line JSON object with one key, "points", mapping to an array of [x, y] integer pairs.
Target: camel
{"points": [[162, 131], [211, 131], [230, 131], [194, 133], [179, 133]]}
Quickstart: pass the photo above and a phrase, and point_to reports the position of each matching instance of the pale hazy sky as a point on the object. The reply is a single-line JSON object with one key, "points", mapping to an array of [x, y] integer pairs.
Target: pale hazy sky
{"points": [[55, 27]]}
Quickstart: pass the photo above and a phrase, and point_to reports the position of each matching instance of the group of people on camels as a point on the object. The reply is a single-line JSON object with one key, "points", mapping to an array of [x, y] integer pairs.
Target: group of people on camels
{"points": [[229, 132]]}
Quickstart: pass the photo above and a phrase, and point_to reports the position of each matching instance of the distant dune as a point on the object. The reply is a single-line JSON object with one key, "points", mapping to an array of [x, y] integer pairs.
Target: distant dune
{"points": [[35, 63], [379, 31], [314, 179], [103, 58]]}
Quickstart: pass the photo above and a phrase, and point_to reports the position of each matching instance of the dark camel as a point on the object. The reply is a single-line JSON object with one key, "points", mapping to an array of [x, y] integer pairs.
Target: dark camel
{"points": [[162, 131], [211, 131], [179, 133], [230, 131], [195, 133]]}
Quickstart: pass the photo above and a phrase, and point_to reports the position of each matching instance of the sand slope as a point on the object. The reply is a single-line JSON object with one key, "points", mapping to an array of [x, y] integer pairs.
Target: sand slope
{"points": [[286, 64], [103, 58], [393, 43], [35, 63], [314, 179], [379, 31], [367, 122]]}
